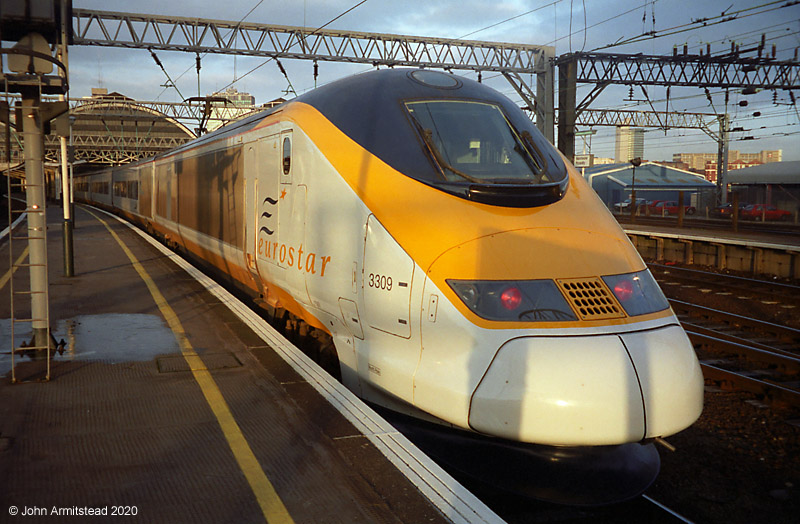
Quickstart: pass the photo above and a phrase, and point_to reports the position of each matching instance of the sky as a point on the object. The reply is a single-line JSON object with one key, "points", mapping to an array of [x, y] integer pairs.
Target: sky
{"points": [[569, 25]]}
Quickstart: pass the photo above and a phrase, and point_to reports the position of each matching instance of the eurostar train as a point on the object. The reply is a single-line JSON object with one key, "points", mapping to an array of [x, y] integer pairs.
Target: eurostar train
{"points": [[461, 271]]}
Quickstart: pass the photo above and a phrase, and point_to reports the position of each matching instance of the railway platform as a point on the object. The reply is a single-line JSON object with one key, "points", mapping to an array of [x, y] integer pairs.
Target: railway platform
{"points": [[706, 233], [763, 254], [169, 405]]}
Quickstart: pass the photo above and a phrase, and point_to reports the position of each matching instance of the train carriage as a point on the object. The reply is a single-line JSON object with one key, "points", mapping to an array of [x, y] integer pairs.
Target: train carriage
{"points": [[455, 267]]}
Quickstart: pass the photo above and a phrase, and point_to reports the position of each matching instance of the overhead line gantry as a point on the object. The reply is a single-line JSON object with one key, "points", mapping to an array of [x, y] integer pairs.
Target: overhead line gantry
{"points": [[197, 35], [730, 71]]}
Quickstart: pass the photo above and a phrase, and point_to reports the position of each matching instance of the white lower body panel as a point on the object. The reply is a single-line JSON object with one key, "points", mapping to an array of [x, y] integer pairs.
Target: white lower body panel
{"points": [[590, 390]]}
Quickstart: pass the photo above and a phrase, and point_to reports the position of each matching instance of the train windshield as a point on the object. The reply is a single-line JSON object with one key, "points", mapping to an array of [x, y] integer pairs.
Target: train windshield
{"points": [[474, 142]]}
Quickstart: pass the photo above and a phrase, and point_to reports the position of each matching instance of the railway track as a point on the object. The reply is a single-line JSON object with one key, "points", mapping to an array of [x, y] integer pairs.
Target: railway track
{"points": [[785, 294], [742, 353], [519, 510]]}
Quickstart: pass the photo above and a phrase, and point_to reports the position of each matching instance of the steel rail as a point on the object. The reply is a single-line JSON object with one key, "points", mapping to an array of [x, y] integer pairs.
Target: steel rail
{"points": [[781, 333], [702, 331], [783, 361], [757, 287], [786, 362], [741, 382], [672, 512]]}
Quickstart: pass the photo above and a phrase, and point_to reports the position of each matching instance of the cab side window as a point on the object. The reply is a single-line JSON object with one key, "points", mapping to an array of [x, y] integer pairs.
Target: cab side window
{"points": [[287, 155]]}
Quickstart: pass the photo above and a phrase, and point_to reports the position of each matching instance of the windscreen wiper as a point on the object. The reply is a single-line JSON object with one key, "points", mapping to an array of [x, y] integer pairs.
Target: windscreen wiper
{"points": [[441, 163], [427, 136]]}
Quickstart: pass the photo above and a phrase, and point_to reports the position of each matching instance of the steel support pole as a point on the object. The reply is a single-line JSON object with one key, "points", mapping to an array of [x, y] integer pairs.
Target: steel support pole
{"points": [[37, 218], [567, 72], [65, 201], [722, 159], [66, 189], [545, 97]]}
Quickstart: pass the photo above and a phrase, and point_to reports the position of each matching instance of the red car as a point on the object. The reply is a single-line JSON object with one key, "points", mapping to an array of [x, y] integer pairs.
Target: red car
{"points": [[764, 212], [669, 207]]}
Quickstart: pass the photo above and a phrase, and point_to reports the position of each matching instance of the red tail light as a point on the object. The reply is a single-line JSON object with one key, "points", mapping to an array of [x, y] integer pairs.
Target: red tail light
{"points": [[637, 292], [514, 300], [623, 290], [511, 298]]}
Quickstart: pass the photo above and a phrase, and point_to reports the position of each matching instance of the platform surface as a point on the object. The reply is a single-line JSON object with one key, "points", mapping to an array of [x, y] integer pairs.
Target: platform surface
{"points": [[130, 421], [724, 235]]}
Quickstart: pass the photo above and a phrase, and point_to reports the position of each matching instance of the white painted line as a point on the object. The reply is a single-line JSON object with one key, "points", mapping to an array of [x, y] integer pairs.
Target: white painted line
{"points": [[8, 230], [451, 498]]}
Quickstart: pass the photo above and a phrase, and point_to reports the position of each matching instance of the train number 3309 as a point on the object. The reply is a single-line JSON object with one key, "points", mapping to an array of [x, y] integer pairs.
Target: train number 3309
{"points": [[380, 281]]}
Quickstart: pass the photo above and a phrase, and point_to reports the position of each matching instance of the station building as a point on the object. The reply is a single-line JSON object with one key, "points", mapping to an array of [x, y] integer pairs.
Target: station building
{"points": [[775, 184], [652, 181]]}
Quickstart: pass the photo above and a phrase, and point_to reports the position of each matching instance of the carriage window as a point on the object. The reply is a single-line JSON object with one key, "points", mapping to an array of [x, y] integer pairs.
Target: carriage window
{"points": [[287, 155]]}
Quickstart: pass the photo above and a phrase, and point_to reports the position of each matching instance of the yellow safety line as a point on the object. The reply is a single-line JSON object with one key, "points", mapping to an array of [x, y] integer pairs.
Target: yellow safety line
{"points": [[271, 504], [12, 270]]}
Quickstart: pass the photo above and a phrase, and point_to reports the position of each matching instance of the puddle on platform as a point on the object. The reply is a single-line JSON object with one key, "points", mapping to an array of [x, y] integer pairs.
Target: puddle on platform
{"points": [[112, 338]]}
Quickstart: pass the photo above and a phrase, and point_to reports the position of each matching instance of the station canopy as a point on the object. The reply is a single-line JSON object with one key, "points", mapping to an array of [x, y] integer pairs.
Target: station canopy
{"points": [[780, 173]]}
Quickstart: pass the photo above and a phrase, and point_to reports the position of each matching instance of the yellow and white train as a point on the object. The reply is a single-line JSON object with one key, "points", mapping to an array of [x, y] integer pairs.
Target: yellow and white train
{"points": [[463, 270]]}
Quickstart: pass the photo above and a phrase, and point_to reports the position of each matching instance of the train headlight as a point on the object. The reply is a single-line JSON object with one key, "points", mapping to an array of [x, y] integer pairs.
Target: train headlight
{"points": [[637, 292], [510, 300]]}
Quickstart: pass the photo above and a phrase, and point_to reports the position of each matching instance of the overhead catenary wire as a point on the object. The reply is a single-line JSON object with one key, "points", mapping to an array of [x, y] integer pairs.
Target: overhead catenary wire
{"points": [[510, 19], [705, 22], [326, 24], [205, 54]]}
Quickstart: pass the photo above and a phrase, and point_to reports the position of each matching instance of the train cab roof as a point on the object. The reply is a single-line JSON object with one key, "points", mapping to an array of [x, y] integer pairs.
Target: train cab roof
{"points": [[447, 131]]}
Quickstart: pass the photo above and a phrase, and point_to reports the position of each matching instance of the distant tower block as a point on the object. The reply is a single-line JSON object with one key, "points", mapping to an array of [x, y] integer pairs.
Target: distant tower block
{"points": [[630, 144]]}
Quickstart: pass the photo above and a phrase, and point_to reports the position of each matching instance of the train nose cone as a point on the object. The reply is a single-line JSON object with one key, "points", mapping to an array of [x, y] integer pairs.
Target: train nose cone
{"points": [[590, 390], [669, 376]]}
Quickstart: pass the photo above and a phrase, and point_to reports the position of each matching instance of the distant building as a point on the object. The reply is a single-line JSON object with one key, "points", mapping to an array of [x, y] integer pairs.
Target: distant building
{"points": [[677, 165], [629, 144], [237, 104], [236, 98], [762, 157], [710, 170], [697, 161], [614, 183], [741, 164]]}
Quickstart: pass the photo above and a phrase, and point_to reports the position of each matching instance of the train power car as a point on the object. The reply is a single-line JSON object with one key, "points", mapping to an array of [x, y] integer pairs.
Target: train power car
{"points": [[456, 268]]}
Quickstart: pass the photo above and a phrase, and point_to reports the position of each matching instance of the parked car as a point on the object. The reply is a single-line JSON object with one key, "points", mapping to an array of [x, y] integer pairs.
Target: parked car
{"points": [[726, 210], [669, 207], [619, 207], [764, 212]]}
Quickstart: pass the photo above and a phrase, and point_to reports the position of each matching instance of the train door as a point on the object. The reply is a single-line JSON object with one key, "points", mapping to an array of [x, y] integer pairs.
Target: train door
{"points": [[252, 170], [292, 220], [389, 358], [387, 281], [286, 201], [265, 211], [280, 208]]}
